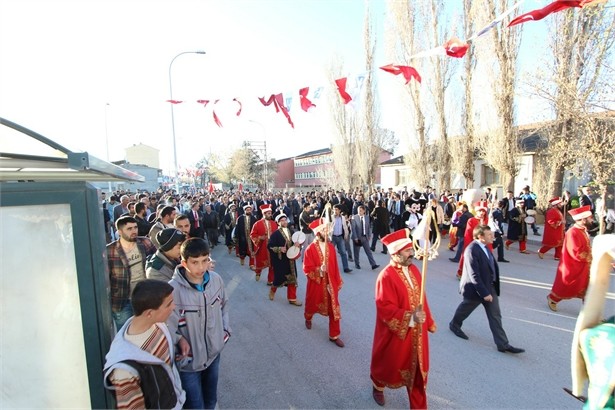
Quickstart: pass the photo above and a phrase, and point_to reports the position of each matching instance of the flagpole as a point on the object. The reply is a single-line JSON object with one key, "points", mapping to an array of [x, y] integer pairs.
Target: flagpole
{"points": [[425, 254]]}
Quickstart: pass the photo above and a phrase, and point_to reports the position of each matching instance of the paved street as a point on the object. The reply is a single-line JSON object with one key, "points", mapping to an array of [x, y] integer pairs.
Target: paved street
{"points": [[273, 361]]}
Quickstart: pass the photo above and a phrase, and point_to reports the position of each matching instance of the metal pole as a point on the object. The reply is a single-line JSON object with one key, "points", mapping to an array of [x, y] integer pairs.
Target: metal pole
{"points": [[176, 170], [107, 143]]}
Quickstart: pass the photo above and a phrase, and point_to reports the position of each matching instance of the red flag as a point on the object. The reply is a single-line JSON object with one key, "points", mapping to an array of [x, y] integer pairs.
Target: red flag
{"points": [[240, 186], [455, 47], [278, 103], [240, 106], [305, 103], [539, 14], [279, 99], [211, 187], [204, 102], [407, 71], [341, 87], [175, 101]]}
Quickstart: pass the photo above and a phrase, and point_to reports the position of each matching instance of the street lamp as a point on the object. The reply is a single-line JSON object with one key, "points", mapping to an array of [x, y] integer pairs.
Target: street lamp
{"points": [[176, 172]]}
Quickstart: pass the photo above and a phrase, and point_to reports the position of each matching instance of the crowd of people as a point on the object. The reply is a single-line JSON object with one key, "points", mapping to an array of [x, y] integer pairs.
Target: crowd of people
{"points": [[170, 307]]}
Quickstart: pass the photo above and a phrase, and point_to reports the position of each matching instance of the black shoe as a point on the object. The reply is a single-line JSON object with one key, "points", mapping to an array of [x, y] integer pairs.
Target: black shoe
{"points": [[385, 252], [372, 249], [375, 267], [537, 233], [510, 349], [347, 270], [453, 260], [350, 260], [503, 260], [357, 267], [457, 331]]}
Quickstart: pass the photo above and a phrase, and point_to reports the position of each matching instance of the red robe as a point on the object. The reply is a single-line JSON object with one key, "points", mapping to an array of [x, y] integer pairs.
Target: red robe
{"points": [[262, 227], [397, 348], [554, 228], [322, 291], [572, 277]]}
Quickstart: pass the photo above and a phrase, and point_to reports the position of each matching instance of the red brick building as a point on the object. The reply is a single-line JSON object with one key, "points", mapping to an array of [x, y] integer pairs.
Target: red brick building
{"points": [[310, 169]]}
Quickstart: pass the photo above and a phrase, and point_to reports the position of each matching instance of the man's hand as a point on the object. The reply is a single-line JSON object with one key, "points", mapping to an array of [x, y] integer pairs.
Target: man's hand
{"points": [[488, 298], [184, 347], [419, 315], [283, 249]]}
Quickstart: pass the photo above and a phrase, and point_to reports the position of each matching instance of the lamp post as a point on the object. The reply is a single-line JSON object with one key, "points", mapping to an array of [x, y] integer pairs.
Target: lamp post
{"points": [[176, 170]]}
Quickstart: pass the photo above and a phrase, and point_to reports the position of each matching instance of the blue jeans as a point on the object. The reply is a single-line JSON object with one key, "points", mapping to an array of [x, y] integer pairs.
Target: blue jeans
{"points": [[340, 244], [201, 387], [459, 248], [123, 315]]}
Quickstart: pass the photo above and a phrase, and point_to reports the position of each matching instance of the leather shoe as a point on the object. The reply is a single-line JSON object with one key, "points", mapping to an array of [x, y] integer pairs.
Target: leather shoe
{"points": [[308, 324], [375, 267], [510, 349], [271, 294], [378, 396], [338, 342], [552, 304], [357, 267], [295, 302], [257, 277], [457, 331], [453, 260], [347, 270], [541, 255], [503, 260]]}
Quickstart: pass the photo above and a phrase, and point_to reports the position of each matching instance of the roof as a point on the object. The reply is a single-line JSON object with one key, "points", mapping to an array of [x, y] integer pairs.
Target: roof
{"points": [[29, 156], [394, 161], [314, 153]]}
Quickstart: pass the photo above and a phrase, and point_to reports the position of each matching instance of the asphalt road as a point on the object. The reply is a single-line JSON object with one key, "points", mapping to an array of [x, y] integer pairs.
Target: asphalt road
{"points": [[273, 362]]}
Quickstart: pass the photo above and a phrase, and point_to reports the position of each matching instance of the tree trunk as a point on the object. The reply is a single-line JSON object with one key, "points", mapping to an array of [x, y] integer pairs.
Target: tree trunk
{"points": [[599, 213], [510, 182], [556, 181]]}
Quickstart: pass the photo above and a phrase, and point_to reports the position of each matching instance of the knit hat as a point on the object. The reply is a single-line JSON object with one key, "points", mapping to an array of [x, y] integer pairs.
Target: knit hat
{"points": [[168, 238]]}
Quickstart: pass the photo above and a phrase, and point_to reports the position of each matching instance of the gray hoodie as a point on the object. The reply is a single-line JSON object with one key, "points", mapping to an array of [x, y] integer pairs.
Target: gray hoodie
{"points": [[121, 350], [201, 317]]}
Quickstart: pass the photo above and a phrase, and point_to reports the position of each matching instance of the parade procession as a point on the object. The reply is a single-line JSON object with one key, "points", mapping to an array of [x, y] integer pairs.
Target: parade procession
{"points": [[293, 204]]}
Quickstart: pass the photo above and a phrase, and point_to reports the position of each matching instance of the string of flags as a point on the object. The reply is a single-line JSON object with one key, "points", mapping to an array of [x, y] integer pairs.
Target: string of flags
{"points": [[350, 87]]}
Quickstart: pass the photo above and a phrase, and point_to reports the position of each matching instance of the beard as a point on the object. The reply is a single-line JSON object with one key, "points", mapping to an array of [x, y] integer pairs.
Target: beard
{"points": [[320, 237]]}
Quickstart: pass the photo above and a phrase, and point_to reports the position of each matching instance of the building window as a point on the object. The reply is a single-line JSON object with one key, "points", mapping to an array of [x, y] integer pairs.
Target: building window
{"points": [[489, 176]]}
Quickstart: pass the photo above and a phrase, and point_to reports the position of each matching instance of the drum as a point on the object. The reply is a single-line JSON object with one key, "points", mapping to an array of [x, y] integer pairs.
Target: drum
{"points": [[530, 212], [529, 220], [298, 237], [293, 252]]}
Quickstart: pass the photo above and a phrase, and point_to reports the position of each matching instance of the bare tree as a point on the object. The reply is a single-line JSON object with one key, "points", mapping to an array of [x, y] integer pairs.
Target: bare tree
{"points": [[441, 80], [574, 83], [345, 131], [500, 148], [463, 148], [405, 18]]}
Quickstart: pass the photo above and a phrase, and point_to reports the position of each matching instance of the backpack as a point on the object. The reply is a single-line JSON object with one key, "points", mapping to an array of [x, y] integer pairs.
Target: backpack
{"points": [[156, 385]]}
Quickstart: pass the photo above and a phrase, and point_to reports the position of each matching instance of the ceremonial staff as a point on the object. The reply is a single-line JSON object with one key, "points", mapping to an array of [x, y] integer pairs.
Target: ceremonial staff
{"points": [[428, 251]]}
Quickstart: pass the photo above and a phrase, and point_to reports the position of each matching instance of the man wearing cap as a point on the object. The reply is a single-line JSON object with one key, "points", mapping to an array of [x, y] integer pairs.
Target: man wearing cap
{"points": [[572, 277], [553, 236], [242, 233], [480, 284], [161, 265], [323, 281], [260, 234], [284, 269], [400, 353], [517, 228]]}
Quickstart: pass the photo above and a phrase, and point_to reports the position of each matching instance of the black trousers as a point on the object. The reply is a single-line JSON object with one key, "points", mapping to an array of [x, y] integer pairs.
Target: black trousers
{"points": [[494, 316]]}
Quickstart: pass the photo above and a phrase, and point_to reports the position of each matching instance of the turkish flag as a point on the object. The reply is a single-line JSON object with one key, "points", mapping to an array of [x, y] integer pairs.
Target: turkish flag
{"points": [[539, 14], [175, 101], [456, 48], [240, 186], [407, 71], [341, 87], [211, 187]]}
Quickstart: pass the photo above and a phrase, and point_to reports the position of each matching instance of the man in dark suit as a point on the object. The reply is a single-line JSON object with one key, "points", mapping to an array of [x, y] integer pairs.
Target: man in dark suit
{"points": [[361, 230], [195, 216], [480, 284]]}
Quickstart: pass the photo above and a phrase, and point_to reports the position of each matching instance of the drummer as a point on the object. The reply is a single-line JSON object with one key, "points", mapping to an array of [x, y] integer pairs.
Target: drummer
{"points": [[517, 227], [284, 268]]}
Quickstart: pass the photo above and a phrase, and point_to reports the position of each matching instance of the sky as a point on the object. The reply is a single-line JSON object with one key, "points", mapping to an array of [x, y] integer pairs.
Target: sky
{"points": [[94, 75]]}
